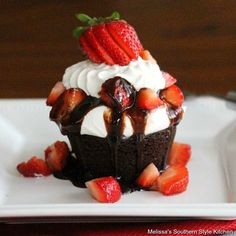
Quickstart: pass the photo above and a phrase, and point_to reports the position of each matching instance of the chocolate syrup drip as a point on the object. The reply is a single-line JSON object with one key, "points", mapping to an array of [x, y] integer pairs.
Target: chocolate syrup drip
{"points": [[78, 114], [70, 172], [138, 120], [120, 96], [114, 125]]}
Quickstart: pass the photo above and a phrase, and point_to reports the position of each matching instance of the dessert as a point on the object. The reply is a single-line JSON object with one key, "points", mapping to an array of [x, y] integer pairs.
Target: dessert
{"points": [[115, 108], [120, 113]]}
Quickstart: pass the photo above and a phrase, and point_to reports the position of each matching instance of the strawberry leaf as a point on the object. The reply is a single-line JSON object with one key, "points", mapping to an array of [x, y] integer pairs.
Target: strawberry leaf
{"points": [[89, 21], [78, 31], [100, 19], [115, 15], [92, 21], [83, 17]]}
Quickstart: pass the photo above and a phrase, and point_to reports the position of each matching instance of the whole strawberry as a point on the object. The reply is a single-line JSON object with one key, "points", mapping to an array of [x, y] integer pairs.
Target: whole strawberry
{"points": [[108, 40]]}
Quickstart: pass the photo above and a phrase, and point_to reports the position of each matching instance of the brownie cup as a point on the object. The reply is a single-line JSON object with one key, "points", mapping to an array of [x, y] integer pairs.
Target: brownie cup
{"points": [[98, 158]]}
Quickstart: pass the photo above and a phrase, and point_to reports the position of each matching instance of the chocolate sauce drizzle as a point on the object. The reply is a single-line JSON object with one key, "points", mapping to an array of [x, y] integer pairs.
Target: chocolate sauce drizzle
{"points": [[138, 119], [77, 170], [114, 126]]}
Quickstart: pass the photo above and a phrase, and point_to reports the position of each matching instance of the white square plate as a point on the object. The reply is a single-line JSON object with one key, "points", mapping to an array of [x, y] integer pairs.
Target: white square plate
{"points": [[209, 126]]}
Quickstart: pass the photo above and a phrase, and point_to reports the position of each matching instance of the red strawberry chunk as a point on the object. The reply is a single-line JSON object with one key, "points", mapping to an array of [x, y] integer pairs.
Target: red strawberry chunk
{"points": [[125, 36], [105, 189], [56, 91], [148, 99], [97, 46], [112, 48], [117, 93], [34, 167], [174, 180], [179, 154], [56, 155], [173, 95], [66, 103], [148, 176], [170, 80], [92, 55]]}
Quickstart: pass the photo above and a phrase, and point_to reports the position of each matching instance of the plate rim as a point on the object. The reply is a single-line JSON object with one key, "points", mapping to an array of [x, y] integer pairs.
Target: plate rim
{"points": [[215, 210], [225, 211]]}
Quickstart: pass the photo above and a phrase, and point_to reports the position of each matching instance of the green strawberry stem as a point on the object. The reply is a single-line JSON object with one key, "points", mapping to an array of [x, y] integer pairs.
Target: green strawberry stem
{"points": [[88, 21]]}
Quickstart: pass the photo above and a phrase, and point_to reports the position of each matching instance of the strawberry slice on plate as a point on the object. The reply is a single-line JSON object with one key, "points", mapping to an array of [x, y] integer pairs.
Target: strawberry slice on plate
{"points": [[105, 189], [179, 154], [56, 91], [172, 95], [56, 155], [148, 99], [174, 180], [148, 176], [34, 167]]}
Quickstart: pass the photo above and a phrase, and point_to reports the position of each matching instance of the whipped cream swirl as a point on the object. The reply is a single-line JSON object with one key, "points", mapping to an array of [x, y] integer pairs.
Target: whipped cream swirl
{"points": [[90, 76]]}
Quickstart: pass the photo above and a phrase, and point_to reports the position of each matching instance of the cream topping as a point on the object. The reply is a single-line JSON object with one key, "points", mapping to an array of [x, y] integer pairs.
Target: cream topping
{"points": [[94, 124], [90, 76]]}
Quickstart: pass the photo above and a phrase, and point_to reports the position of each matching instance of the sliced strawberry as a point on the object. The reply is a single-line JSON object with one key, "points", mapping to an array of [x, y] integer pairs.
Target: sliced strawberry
{"points": [[170, 80], [105, 189], [56, 91], [117, 93], [109, 40], [174, 180], [92, 55], [97, 46], [105, 40], [148, 99], [56, 155], [146, 55], [126, 37], [66, 103], [34, 167], [173, 95], [148, 176], [179, 154]]}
